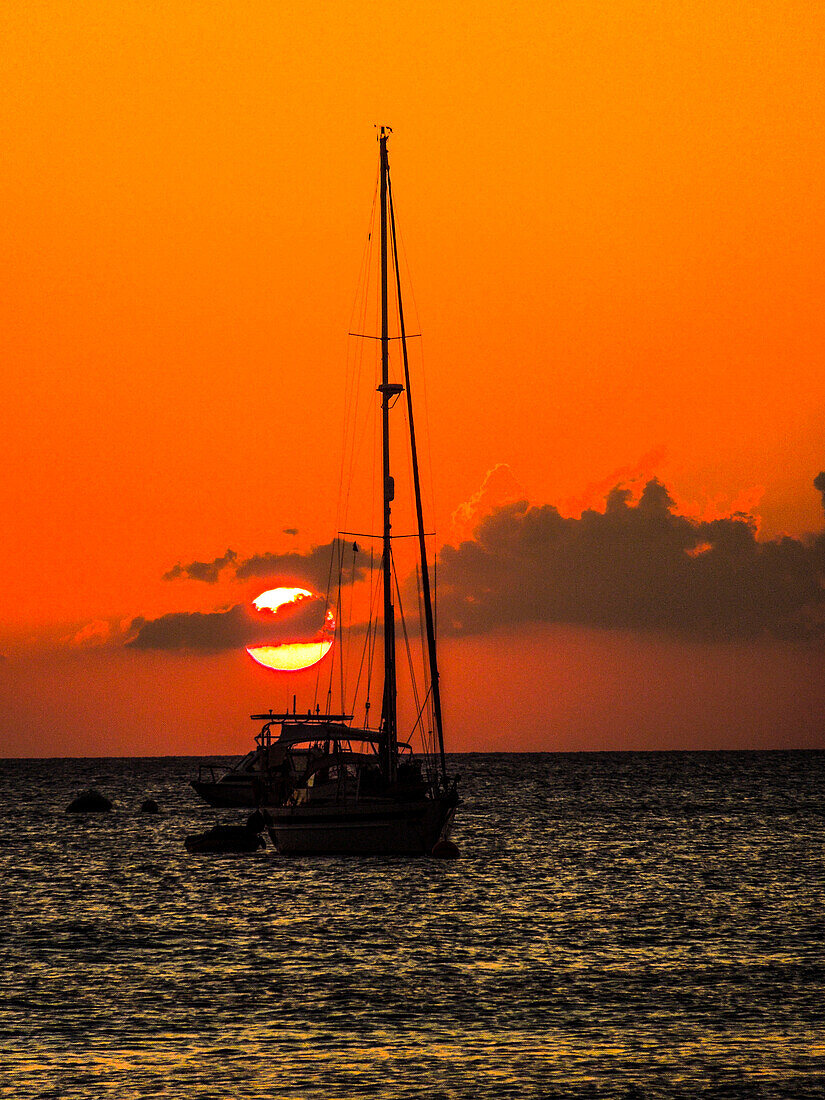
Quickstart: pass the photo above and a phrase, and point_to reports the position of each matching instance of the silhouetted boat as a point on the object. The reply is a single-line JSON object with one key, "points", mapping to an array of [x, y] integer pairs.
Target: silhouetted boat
{"points": [[233, 785], [222, 839], [339, 789], [247, 782]]}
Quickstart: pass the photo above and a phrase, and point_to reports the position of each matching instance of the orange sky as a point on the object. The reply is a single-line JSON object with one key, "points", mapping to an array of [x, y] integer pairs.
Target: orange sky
{"points": [[613, 217]]}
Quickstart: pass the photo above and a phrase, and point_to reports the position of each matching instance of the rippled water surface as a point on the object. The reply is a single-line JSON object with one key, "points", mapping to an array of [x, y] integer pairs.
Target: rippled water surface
{"points": [[631, 925]]}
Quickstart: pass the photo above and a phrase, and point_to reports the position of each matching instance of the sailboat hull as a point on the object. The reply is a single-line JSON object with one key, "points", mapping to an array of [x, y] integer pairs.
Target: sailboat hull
{"points": [[365, 827]]}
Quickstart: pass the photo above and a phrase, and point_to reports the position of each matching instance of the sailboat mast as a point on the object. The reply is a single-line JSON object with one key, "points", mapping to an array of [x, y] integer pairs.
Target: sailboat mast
{"points": [[387, 391], [429, 619]]}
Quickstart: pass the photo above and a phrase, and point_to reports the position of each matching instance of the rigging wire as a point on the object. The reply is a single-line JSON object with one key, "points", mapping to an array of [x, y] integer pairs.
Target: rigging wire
{"points": [[431, 639], [353, 396], [351, 445], [400, 253], [334, 556], [422, 635], [370, 637], [410, 663], [341, 663], [356, 427], [423, 641], [349, 616], [368, 648]]}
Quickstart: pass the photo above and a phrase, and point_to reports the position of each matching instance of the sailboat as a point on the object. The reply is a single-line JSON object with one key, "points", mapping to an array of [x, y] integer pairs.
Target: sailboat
{"points": [[335, 788]]}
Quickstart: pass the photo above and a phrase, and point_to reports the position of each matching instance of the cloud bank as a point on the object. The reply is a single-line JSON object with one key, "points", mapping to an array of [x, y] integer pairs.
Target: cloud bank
{"points": [[638, 565], [500, 486], [635, 566], [207, 571], [312, 568], [230, 628]]}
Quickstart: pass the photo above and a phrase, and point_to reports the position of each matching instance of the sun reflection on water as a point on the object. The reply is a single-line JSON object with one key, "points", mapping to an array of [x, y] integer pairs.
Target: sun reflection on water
{"points": [[580, 947]]}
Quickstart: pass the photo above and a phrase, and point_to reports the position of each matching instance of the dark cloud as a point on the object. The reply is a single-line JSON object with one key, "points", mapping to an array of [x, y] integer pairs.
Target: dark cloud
{"points": [[819, 544], [311, 569], [207, 571], [315, 568], [290, 530], [231, 628], [634, 566]]}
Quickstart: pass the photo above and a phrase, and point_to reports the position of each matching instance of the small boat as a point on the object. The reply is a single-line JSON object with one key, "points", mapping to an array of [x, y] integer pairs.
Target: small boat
{"points": [[252, 780], [223, 839], [233, 785], [333, 788]]}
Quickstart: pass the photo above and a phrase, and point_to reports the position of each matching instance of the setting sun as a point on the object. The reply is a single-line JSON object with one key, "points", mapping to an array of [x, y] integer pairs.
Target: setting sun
{"points": [[294, 655]]}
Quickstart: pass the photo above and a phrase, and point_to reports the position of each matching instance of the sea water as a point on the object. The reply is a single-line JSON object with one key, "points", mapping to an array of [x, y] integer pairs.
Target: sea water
{"points": [[629, 925]]}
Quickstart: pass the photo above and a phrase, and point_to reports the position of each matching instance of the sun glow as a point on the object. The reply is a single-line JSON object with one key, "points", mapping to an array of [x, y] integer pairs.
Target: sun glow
{"points": [[274, 598], [292, 656]]}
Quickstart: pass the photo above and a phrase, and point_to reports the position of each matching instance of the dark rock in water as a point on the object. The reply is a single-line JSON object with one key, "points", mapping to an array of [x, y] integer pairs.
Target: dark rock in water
{"points": [[149, 806], [445, 849], [225, 838], [89, 802]]}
